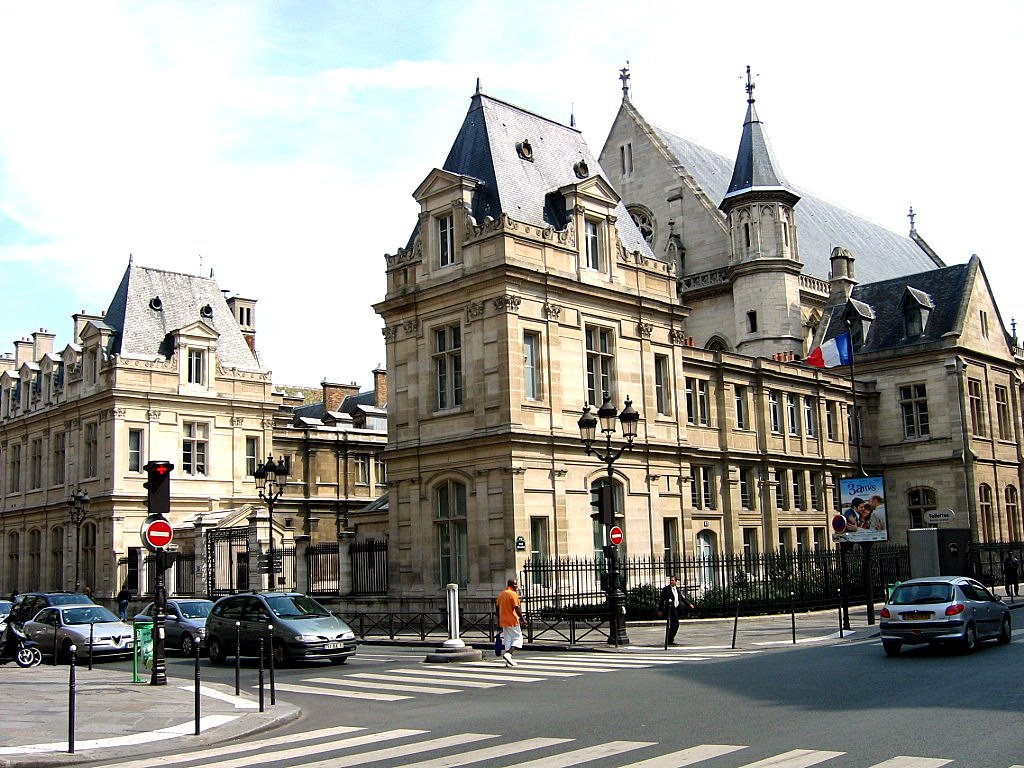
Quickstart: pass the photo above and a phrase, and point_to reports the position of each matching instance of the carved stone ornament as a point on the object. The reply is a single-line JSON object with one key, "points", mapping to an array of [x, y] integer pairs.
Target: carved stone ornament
{"points": [[644, 329], [411, 326], [552, 311], [153, 415], [236, 421], [677, 336], [475, 309], [119, 413], [390, 332], [508, 303]]}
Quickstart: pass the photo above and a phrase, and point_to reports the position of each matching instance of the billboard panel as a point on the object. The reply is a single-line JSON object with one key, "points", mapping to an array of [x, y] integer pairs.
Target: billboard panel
{"points": [[862, 516]]}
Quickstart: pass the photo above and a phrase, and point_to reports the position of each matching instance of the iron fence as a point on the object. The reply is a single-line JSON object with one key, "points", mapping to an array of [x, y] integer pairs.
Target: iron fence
{"points": [[369, 566], [564, 588], [185, 574], [323, 563], [986, 560]]}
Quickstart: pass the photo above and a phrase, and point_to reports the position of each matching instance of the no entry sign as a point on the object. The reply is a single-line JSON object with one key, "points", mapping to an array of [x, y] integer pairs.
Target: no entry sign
{"points": [[157, 533], [615, 535]]}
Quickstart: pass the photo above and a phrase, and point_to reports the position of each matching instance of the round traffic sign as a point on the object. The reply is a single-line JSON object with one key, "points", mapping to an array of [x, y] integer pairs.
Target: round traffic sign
{"points": [[615, 535], [157, 534]]}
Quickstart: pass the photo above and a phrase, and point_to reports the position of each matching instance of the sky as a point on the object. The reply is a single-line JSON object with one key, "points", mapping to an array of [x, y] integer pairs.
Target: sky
{"points": [[278, 143]]}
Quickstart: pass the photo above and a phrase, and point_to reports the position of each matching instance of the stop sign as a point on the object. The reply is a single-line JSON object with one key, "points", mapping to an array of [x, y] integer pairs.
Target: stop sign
{"points": [[157, 534], [615, 535]]}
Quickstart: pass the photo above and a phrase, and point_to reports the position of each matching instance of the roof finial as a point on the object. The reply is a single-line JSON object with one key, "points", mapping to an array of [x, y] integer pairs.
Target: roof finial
{"points": [[624, 77], [572, 115], [911, 216], [750, 87], [1013, 328], [131, 258], [478, 86]]}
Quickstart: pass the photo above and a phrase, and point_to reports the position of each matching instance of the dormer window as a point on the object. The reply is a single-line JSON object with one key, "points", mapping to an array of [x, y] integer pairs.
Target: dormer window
{"points": [[206, 312], [196, 366], [592, 244], [916, 306], [445, 241]]}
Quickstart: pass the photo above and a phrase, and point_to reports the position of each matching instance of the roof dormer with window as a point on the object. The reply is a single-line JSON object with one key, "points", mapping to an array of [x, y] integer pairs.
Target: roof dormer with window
{"points": [[915, 306]]}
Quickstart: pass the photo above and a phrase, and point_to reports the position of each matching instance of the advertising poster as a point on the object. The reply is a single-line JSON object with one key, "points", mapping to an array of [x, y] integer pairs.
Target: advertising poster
{"points": [[862, 515]]}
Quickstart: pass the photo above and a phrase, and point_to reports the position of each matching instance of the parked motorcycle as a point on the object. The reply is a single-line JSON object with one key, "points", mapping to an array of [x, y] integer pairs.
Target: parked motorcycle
{"points": [[16, 647]]}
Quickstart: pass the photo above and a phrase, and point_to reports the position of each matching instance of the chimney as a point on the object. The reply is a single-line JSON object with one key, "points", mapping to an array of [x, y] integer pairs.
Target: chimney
{"points": [[22, 353], [335, 394], [81, 318], [244, 312], [42, 343], [380, 387], [842, 280], [6, 362]]}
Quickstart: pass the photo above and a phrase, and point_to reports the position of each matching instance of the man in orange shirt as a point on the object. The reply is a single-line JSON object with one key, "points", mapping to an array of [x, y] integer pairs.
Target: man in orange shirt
{"points": [[509, 616]]}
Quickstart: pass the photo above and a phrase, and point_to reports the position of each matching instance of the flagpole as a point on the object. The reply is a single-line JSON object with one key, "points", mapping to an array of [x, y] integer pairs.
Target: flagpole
{"points": [[853, 391]]}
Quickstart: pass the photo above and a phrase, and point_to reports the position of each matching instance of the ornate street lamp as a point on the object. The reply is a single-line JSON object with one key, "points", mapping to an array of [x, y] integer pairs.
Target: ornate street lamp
{"points": [[271, 478], [588, 424], [78, 510]]}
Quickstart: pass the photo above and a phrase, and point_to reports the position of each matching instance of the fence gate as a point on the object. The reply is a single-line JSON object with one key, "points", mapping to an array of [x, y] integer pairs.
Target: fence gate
{"points": [[369, 567], [227, 560]]}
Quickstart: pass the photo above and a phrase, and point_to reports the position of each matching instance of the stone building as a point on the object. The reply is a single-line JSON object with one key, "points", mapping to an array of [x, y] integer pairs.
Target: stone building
{"points": [[760, 264], [526, 291], [168, 372]]}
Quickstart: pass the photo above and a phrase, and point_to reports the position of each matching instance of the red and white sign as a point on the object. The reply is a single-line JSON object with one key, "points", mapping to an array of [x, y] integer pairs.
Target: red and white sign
{"points": [[157, 534], [615, 535]]}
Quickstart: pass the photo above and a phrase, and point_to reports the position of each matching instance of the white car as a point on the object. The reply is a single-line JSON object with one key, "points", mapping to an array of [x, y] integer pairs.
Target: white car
{"points": [[59, 627]]}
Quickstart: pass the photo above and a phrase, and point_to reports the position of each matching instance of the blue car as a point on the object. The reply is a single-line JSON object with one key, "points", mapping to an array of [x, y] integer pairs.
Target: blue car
{"points": [[185, 623]]}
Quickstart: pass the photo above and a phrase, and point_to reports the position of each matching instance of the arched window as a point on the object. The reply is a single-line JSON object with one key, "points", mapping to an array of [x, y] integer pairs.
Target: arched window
{"points": [[35, 557], [57, 558], [717, 344], [13, 559], [987, 519], [450, 520], [1013, 529], [89, 555], [919, 501], [600, 534]]}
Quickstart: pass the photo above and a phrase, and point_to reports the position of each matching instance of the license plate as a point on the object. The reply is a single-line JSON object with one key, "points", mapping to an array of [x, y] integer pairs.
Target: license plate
{"points": [[916, 615], [332, 646]]}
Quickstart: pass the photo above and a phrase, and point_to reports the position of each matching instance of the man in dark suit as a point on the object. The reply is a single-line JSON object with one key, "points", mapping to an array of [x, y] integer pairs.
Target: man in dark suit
{"points": [[672, 604]]}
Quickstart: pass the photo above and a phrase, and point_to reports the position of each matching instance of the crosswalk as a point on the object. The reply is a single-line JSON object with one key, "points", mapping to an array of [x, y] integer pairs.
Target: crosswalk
{"points": [[439, 679], [343, 746]]}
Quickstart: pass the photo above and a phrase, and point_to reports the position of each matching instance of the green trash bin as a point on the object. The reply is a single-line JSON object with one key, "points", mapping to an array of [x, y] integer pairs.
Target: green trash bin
{"points": [[142, 632]]}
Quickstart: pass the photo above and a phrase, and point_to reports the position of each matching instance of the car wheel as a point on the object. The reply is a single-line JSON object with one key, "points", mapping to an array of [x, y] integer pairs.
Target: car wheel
{"points": [[891, 647], [188, 646], [970, 640], [1004, 631], [216, 650], [281, 656]]}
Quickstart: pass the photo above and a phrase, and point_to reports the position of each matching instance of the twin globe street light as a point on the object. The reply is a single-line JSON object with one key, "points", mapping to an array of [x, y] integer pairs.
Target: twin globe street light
{"points": [[588, 424], [271, 478]]}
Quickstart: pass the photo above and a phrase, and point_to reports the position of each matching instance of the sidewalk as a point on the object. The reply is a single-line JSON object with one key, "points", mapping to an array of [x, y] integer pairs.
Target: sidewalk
{"points": [[118, 718]]}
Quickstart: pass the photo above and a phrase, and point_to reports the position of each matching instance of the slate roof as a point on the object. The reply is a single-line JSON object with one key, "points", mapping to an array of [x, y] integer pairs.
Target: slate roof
{"points": [[948, 290], [485, 149], [756, 167], [880, 254], [141, 331]]}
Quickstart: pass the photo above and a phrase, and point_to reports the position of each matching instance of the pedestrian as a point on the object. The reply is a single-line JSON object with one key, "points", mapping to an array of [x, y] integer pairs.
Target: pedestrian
{"points": [[510, 616], [672, 605], [14, 596], [1011, 575], [123, 598]]}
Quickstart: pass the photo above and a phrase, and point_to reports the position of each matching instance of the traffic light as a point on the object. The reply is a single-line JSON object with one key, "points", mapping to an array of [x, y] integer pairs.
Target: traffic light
{"points": [[158, 487], [601, 501]]}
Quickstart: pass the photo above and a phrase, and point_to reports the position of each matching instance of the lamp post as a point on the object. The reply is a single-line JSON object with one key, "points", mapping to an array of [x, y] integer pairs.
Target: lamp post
{"points": [[588, 424], [78, 510], [270, 481]]}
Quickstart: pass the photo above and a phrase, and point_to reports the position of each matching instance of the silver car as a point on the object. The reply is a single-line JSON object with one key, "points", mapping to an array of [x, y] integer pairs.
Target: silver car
{"points": [[5, 611], [943, 609], [185, 622], [59, 627]]}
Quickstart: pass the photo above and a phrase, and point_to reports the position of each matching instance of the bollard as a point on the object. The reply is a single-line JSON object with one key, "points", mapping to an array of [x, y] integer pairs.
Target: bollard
{"points": [[273, 692], [735, 624], [71, 699], [92, 630], [839, 593], [197, 643], [792, 614], [238, 657], [261, 673]]}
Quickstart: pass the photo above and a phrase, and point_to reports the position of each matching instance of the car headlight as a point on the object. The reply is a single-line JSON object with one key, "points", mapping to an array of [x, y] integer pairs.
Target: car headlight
{"points": [[350, 635], [306, 638], [201, 631]]}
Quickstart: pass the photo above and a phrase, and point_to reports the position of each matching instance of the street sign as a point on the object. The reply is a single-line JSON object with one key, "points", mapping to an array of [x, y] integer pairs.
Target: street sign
{"points": [[939, 516], [156, 533], [615, 535]]}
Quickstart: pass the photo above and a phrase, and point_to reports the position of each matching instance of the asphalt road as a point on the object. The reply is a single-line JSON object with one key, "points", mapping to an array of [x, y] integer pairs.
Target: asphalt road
{"points": [[837, 705]]}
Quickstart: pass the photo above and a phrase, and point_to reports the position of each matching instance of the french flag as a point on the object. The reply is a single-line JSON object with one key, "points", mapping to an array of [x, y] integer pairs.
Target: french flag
{"points": [[835, 351]]}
